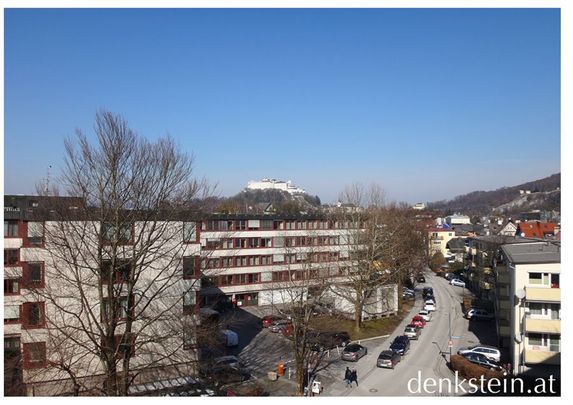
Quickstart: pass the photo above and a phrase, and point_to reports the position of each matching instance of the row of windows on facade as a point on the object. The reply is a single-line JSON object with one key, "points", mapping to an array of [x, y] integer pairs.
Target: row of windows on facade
{"points": [[264, 260], [270, 224], [32, 314], [544, 279], [35, 353], [256, 278], [34, 231], [32, 277], [275, 242]]}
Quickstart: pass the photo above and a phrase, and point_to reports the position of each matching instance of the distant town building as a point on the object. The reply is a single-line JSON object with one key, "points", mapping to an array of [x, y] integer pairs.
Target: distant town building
{"points": [[457, 219], [273, 184], [537, 229], [419, 206]]}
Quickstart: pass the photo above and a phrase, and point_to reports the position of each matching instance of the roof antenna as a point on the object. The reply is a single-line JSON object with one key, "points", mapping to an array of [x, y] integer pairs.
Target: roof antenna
{"points": [[48, 172]]}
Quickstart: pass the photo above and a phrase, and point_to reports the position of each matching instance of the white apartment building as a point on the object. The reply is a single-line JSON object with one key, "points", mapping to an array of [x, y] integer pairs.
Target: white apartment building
{"points": [[438, 239], [533, 271], [53, 311]]}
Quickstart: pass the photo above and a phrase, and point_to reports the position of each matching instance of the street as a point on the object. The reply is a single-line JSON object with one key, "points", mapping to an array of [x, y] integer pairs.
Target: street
{"points": [[262, 350]]}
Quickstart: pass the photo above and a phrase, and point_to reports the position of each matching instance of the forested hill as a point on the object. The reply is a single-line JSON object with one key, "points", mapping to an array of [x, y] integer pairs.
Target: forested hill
{"points": [[483, 202]]}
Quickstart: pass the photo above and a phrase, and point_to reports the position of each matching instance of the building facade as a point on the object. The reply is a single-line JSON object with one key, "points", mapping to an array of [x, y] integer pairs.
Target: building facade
{"points": [[57, 301], [533, 272]]}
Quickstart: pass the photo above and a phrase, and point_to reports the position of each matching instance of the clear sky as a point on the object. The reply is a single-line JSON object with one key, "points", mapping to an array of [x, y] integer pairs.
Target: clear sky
{"points": [[427, 103]]}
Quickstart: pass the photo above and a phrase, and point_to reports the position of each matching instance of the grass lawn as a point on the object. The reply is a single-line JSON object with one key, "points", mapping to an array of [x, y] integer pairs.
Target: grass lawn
{"points": [[376, 327]]}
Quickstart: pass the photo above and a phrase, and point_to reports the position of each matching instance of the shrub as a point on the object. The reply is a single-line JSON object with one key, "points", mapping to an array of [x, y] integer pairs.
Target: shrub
{"points": [[468, 369]]}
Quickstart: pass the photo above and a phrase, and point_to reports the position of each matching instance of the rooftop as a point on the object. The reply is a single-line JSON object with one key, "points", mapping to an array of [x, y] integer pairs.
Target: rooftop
{"points": [[531, 253]]}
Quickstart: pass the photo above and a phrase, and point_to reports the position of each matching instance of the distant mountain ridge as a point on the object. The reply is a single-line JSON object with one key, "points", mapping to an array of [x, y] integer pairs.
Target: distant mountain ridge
{"points": [[545, 196]]}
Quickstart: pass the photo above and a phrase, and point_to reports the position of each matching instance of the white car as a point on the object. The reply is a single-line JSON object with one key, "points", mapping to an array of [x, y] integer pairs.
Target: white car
{"points": [[457, 282], [426, 315], [430, 306], [490, 352]]}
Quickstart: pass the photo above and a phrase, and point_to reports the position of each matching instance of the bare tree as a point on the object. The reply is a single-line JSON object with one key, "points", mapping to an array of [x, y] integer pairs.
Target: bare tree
{"points": [[385, 247], [120, 269]]}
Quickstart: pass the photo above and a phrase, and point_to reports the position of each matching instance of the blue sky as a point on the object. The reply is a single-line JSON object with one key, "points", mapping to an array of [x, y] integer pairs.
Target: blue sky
{"points": [[429, 104]]}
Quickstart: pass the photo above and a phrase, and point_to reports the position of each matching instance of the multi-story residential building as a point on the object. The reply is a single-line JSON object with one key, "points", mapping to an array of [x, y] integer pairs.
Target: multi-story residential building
{"points": [[256, 259], [54, 312], [248, 259], [533, 275], [438, 239], [457, 219]]}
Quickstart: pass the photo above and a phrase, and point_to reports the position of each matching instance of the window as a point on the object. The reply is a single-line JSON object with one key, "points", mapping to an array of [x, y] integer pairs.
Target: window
{"points": [[265, 242], [190, 266], [11, 256], [539, 279], [121, 272], [123, 308], [213, 243], [266, 224], [33, 315], [11, 286], [117, 233], [253, 243], [34, 275], [34, 355], [241, 225], [11, 347], [35, 233], [11, 313], [10, 229], [278, 225], [228, 244], [544, 342], [253, 278], [189, 232], [554, 280]]}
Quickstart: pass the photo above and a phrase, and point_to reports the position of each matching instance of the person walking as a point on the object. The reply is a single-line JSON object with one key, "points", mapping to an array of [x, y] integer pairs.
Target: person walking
{"points": [[353, 377], [347, 377]]}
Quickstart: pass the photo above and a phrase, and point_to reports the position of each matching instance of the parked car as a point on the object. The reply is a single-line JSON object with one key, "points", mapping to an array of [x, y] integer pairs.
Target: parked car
{"points": [[277, 325], [319, 341], [483, 361], [427, 291], [426, 315], [457, 282], [478, 314], [490, 352], [412, 331], [430, 299], [287, 330], [228, 361], [418, 321], [269, 319], [400, 345], [388, 359], [227, 375], [408, 295], [429, 306], [353, 352], [408, 290], [449, 276], [229, 338], [420, 278]]}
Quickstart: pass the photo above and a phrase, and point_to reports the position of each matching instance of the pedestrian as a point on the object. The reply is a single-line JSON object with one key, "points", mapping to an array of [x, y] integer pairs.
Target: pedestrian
{"points": [[353, 377], [347, 376]]}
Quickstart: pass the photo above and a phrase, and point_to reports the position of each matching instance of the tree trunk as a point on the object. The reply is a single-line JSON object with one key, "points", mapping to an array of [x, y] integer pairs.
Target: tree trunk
{"points": [[357, 317], [300, 376]]}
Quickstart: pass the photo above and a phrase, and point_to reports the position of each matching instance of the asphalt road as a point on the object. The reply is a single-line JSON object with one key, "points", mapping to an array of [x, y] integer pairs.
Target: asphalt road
{"points": [[426, 357], [262, 350]]}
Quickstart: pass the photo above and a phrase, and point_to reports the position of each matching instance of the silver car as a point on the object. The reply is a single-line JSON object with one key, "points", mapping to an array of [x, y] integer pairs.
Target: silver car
{"points": [[353, 352], [457, 282]]}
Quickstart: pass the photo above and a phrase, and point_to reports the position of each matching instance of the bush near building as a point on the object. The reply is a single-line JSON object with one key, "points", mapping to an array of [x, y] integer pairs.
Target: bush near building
{"points": [[468, 369]]}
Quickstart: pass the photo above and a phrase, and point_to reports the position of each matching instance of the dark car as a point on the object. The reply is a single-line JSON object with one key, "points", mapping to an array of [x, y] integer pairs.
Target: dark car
{"points": [[400, 345], [354, 352], [427, 291], [420, 278], [227, 375], [388, 359], [483, 361], [319, 341], [269, 319]]}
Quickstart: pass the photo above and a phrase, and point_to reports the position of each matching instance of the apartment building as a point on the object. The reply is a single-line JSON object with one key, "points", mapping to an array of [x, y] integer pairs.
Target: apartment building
{"points": [[257, 260], [54, 314], [438, 239], [533, 272]]}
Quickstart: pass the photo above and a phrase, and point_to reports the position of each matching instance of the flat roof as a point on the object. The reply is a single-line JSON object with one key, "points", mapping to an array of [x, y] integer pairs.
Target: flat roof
{"points": [[531, 253]]}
